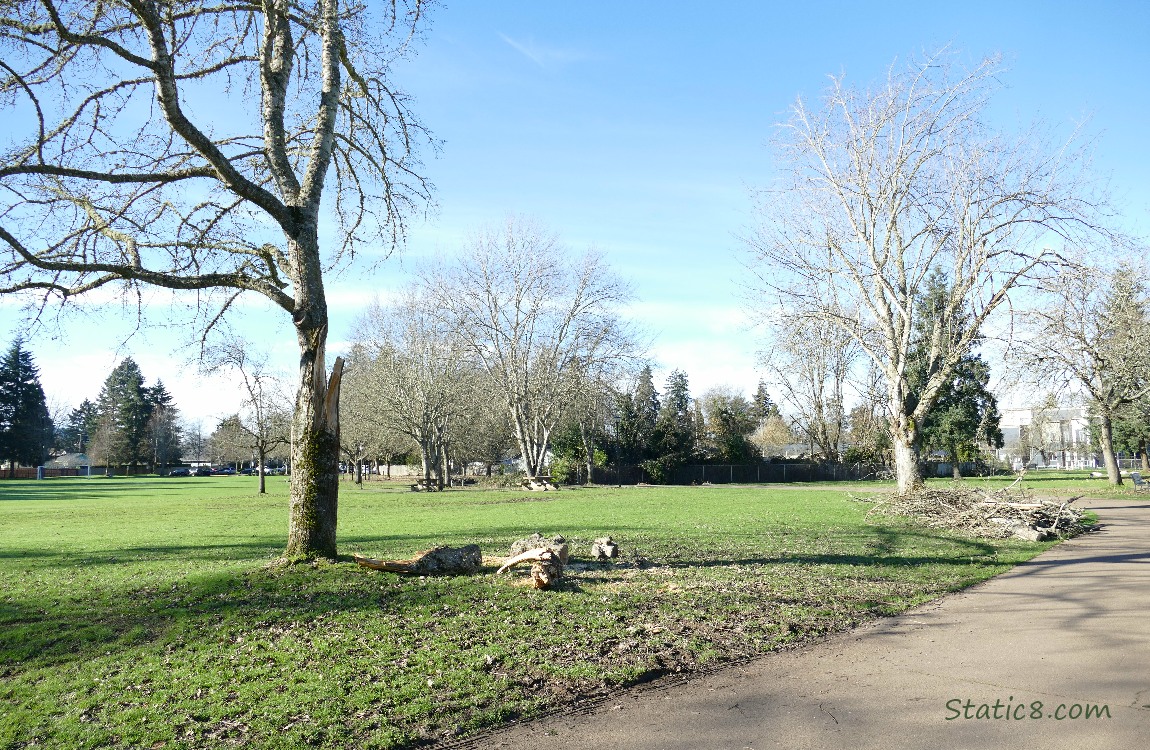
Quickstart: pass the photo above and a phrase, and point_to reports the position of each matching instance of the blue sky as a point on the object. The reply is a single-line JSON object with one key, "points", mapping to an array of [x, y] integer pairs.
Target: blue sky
{"points": [[640, 128]]}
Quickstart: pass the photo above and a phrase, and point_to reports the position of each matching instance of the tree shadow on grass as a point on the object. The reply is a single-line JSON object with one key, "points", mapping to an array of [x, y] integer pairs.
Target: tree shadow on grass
{"points": [[110, 613], [50, 631], [88, 488], [119, 555], [883, 547], [62, 627]]}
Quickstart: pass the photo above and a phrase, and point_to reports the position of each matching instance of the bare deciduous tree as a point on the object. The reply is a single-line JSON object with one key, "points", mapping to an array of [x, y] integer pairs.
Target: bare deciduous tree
{"points": [[810, 362], [773, 436], [367, 430], [539, 322], [882, 187], [413, 376], [264, 419], [229, 443], [1090, 334], [484, 436], [197, 147]]}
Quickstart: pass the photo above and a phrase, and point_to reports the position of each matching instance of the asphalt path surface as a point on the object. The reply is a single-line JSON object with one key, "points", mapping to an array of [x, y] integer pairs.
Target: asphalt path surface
{"points": [[1052, 654]]}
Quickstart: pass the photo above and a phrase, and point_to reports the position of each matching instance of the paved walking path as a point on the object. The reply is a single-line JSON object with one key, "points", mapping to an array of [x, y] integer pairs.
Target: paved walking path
{"points": [[1067, 630]]}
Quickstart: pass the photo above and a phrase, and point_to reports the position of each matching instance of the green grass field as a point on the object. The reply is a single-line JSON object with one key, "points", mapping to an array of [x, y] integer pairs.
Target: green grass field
{"points": [[144, 612]]}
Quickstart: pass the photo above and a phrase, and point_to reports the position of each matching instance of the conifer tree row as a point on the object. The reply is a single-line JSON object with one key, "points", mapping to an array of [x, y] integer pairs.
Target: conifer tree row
{"points": [[135, 425]]}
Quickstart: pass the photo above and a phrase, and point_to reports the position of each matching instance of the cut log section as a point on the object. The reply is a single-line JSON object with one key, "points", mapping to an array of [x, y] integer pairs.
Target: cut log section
{"points": [[603, 549], [546, 565]]}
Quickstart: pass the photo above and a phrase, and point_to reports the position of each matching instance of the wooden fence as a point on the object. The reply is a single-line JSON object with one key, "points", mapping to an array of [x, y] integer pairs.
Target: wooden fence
{"points": [[30, 472]]}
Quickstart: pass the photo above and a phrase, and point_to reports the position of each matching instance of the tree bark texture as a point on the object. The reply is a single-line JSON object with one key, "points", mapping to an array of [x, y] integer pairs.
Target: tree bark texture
{"points": [[1106, 441], [315, 454], [905, 445]]}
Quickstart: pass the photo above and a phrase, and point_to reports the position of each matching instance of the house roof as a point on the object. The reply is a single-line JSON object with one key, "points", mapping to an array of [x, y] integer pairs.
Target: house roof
{"points": [[68, 461]]}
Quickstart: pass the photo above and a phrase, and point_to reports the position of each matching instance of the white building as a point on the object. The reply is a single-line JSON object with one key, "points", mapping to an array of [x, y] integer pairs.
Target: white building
{"points": [[1051, 437]]}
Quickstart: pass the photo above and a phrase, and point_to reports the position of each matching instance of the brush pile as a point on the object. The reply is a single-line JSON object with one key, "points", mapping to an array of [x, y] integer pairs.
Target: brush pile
{"points": [[992, 515]]}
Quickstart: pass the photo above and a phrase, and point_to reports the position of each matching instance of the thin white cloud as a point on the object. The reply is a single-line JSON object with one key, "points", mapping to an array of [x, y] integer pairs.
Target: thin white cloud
{"points": [[708, 364], [543, 55], [686, 319]]}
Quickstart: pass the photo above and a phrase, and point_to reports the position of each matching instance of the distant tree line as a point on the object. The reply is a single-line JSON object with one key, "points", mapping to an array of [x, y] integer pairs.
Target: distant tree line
{"points": [[512, 354], [136, 427], [129, 425]]}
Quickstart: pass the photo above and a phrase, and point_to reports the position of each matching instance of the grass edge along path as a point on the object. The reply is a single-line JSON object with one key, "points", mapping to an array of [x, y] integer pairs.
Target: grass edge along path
{"points": [[143, 613]]}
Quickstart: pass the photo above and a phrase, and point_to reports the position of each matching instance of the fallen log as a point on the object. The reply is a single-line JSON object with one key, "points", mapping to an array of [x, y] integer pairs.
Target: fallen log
{"points": [[466, 560], [539, 484], [556, 544]]}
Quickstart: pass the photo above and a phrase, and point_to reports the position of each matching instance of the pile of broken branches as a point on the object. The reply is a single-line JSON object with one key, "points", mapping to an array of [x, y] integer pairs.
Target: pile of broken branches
{"points": [[991, 515]]}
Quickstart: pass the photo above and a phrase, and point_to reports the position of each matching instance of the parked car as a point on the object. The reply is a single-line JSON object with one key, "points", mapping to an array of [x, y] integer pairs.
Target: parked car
{"points": [[180, 471], [223, 471], [202, 471]]}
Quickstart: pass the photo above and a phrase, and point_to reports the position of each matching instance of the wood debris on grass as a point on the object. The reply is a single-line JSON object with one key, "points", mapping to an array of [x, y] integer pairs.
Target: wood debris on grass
{"points": [[435, 561], [1008, 512]]}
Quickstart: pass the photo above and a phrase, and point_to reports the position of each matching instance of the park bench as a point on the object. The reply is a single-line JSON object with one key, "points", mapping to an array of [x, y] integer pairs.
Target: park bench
{"points": [[1140, 484]]}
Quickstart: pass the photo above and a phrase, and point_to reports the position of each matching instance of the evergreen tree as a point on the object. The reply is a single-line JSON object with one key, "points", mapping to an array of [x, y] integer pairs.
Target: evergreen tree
{"points": [[1131, 429], [730, 421], [26, 433], [569, 446], [646, 400], [124, 408], [673, 441], [76, 433], [628, 440], [965, 414], [163, 427], [762, 405], [635, 416]]}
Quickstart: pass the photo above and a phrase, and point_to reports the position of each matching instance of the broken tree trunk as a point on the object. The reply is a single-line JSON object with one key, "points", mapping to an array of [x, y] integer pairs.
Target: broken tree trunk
{"points": [[464, 560], [539, 484], [547, 558], [546, 566]]}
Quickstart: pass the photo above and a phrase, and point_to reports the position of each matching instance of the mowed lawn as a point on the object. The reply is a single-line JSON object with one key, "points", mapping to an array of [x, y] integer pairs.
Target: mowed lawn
{"points": [[145, 612]]}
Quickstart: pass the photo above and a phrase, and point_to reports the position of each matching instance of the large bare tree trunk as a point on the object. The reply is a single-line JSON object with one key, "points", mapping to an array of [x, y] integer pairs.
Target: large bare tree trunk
{"points": [[444, 469], [905, 445], [588, 449], [314, 452], [1106, 440]]}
